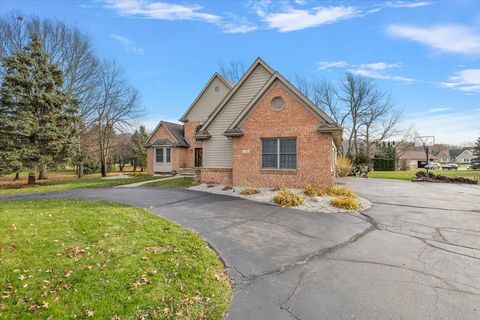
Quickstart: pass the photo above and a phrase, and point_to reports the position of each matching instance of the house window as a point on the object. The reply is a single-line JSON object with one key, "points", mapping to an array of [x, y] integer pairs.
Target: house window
{"points": [[279, 153], [159, 155], [168, 156]]}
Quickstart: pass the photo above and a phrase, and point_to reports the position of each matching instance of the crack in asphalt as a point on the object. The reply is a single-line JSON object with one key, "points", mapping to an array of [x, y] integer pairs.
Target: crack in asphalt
{"points": [[283, 306], [316, 254], [447, 282], [424, 207]]}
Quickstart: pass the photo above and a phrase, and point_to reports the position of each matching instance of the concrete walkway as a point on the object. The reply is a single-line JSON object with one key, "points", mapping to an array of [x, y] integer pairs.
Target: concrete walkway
{"points": [[414, 255], [138, 184]]}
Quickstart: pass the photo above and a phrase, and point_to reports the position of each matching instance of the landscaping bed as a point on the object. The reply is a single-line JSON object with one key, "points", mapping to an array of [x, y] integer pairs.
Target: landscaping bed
{"points": [[68, 259], [311, 204], [423, 176]]}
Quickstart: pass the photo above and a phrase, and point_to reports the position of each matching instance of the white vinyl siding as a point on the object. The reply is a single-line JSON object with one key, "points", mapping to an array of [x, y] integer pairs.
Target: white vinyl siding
{"points": [[218, 149], [209, 100]]}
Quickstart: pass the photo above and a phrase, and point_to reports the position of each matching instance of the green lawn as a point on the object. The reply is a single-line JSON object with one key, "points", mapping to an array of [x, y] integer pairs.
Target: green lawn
{"points": [[408, 175], [172, 183], [59, 185], [66, 259]]}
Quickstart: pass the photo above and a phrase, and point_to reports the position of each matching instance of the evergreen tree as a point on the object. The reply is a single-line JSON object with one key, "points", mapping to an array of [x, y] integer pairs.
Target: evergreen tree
{"points": [[476, 153], [37, 118], [139, 139]]}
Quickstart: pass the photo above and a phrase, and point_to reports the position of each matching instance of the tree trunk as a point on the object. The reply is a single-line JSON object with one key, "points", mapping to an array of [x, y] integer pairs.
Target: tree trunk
{"points": [[31, 179], [17, 176], [80, 170], [121, 166], [103, 168], [42, 174]]}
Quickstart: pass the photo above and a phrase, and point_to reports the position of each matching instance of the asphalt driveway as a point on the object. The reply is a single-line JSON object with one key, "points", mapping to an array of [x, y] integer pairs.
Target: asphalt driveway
{"points": [[414, 255]]}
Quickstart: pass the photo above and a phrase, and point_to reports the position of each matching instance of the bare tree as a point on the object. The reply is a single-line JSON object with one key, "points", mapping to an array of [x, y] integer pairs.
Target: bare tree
{"points": [[358, 105], [378, 122], [117, 106], [233, 71]]}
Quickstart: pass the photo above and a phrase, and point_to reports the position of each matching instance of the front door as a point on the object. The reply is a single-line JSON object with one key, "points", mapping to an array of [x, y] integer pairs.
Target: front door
{"points": [[198, 157]]}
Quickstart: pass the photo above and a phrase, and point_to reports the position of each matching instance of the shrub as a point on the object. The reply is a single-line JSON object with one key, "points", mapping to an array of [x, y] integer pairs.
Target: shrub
{"points": [[287, 198], [344, 166], [249, 191], [343, 202], [312, 191], [338, 191]]}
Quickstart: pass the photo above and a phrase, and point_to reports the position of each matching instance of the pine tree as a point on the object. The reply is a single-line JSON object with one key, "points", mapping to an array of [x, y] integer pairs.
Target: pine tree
{"points": [[476, 153], [37, 118], [139, 139]]}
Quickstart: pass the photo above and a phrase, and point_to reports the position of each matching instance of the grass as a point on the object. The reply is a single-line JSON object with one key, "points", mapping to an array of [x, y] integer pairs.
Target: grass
{"points": [[65, 259], [408, 175], [177, 183], [59, 184]]}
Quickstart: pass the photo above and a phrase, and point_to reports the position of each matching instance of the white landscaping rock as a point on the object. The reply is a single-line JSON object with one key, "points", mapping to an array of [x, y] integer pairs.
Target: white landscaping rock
{"points": [[312, 204]]}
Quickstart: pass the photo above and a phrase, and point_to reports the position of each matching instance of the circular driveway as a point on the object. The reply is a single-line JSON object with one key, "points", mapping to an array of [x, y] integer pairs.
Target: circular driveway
{"points": [[414, 255]]}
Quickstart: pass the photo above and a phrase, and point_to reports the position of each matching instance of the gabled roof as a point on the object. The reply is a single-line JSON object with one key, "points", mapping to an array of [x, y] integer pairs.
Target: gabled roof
{"points": [[331, 125], [415, 155], [222, 104], [175, 129], [468, 152], [215, 75], [456, 152]]}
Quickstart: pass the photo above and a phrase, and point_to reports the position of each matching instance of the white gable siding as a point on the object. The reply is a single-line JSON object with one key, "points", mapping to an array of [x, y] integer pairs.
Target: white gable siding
{"points": [[218, 149], [209, 100]]}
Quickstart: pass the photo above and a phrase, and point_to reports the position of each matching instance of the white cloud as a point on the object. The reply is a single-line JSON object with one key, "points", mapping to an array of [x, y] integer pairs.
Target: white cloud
{"points": [[377, 70], [465, 80], [160, 10], [127, 44], [407, 4], [451, 128], [435, 110], [444, 38], [323, 65], [291, 19]]}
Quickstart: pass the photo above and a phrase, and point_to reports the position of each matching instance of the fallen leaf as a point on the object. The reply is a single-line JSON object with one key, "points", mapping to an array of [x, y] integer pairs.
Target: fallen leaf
{"points": [[33, 308], [13, 246], [13, 227], [90, 313], [22, 277], [45, 305], [56, 299]]}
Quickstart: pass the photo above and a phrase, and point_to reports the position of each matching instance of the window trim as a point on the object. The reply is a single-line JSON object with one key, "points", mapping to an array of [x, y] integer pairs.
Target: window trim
{"points": [[168, 155], [157, 150], [278, 155]]}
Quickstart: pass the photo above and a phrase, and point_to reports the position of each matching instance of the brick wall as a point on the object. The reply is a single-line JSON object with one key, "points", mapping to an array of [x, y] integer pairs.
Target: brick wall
{"points": [[216, 175], [314, 150], [189, 131]]}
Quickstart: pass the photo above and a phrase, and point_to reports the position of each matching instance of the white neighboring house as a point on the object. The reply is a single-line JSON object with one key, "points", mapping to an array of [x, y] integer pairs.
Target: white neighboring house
{"points": [[465, 157]]}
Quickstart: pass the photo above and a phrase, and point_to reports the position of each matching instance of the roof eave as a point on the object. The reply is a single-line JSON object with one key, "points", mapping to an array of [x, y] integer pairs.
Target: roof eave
{"points": [[236, 132]]}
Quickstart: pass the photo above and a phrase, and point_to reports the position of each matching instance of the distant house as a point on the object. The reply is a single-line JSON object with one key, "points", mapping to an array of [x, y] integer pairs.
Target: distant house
{"points": [[443, 156], [261, 131], [465, 157], [461, 155], [413, 159]]}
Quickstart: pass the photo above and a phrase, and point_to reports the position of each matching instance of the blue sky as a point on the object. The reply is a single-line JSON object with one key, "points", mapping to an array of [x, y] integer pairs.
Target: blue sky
{"points": [[425, 53]]}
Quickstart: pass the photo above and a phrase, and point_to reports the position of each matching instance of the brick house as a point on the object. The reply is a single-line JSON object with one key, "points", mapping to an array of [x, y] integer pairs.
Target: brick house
{"points": [[260, 132]]}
